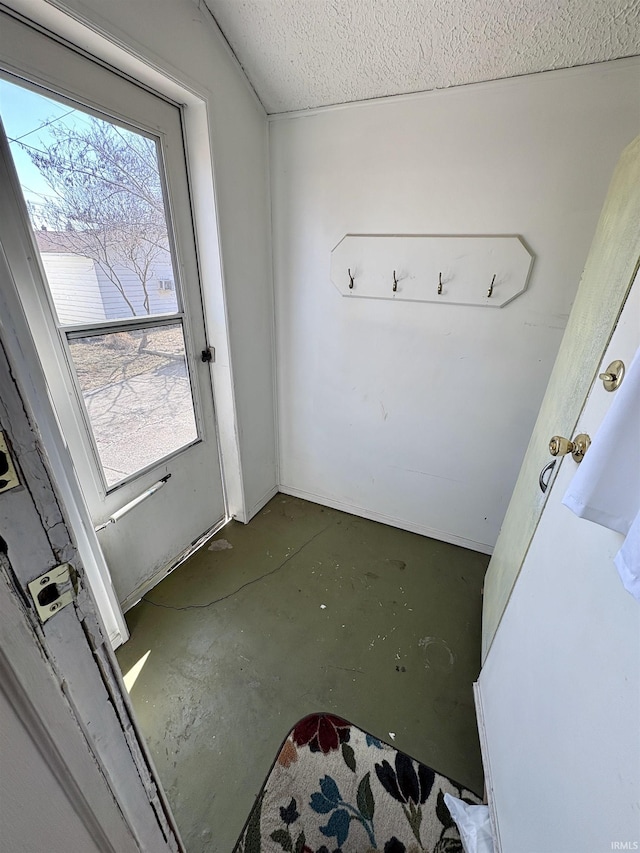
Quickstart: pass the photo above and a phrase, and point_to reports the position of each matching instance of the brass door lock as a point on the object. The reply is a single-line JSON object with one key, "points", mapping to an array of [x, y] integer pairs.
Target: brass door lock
{"points": [[559, 446], [612, 379]]}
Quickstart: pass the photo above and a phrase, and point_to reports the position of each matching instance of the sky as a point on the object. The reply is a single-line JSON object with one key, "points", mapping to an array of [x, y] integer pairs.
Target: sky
{"points": [[27, 118], [23, 115]]}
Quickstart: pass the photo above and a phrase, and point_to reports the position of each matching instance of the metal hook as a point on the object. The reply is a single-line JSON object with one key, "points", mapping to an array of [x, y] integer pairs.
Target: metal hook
{"points": [[490, 291], [395, 282], [439, 283], [350, 280]]}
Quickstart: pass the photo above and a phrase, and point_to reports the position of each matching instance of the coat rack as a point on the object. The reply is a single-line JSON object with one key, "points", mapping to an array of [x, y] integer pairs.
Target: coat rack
{"points": [[488, 271]]}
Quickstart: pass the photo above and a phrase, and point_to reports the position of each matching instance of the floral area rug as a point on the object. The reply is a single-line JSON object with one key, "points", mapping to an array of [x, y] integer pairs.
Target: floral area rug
{"points": [[336, 789]]}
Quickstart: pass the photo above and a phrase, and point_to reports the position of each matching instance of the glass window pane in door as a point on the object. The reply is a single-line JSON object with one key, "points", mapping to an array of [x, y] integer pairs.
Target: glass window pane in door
{"points": [[94, 194], [137, 394]]}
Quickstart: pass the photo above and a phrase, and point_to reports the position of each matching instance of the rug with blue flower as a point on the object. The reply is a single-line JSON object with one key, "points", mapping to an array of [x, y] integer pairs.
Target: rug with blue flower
{"points": [[336, 789]]}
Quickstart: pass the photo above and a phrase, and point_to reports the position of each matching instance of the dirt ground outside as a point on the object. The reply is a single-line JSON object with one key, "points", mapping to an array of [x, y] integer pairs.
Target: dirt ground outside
{"points": [[101, 360], [137, 394]]}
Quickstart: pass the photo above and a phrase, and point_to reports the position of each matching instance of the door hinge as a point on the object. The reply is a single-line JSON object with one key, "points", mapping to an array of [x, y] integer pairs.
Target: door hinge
{"points": [[52, 591], [208, 355]]}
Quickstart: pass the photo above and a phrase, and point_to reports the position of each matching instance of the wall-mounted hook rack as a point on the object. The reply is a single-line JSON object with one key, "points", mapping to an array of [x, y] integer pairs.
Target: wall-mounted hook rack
{"points": [[469, 263]]}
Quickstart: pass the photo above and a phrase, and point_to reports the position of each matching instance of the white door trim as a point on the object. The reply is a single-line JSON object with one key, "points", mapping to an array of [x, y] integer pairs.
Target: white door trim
{"points": [[22, 352], [486, 764], [49, 725], [82, 669]]}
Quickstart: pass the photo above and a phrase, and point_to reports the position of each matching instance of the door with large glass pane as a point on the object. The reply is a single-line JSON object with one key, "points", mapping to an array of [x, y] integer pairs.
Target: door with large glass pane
{"points": [[114, 303]]}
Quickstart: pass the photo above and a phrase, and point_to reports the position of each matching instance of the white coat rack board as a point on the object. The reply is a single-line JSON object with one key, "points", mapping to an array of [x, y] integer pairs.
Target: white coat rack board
{"points": [[489, 271]]}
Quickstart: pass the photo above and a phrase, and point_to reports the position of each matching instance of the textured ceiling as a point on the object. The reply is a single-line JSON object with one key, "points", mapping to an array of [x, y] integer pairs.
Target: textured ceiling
{"points": [[309, 53]]}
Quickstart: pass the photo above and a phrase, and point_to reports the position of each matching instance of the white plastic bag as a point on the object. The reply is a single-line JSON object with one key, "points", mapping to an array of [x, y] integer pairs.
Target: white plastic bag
{"points": [[473, 824]]}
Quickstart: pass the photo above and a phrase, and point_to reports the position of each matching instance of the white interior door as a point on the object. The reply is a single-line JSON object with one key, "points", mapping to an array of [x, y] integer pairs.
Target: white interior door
{"points": [[100, 192], [560, 689]]}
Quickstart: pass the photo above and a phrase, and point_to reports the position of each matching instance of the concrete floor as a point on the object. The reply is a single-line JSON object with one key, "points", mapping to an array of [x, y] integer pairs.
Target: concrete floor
{"points": [[309, 610]]}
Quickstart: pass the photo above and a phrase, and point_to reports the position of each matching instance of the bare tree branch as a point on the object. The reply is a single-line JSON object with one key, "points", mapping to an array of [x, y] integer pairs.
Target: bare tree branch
{"points": [[107, 202]]}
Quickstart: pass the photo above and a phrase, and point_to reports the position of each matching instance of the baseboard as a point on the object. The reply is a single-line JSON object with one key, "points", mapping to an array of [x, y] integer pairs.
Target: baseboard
{"points": [[423, 530], [135, 596], [146, 586], [486, 763], [116, 640]]}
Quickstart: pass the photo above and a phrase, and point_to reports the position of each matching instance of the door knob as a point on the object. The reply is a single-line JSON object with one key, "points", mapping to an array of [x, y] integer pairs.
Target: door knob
{"points": [[559, 446]]}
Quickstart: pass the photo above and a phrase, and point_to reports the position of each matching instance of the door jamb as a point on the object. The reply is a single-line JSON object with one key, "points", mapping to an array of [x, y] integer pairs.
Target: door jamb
{"points": [[22, 353], [73, 644]]}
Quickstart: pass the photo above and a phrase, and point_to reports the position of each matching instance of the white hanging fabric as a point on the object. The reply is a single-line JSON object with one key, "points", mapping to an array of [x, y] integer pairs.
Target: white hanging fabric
{"points": [[606, 486]]}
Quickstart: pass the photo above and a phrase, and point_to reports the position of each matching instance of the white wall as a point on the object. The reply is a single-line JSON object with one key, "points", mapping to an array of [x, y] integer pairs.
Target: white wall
{"points": [[419, 414], [180, 40]]}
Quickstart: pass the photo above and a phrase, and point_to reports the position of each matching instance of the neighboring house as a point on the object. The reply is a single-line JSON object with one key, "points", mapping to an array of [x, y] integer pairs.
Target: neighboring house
{"points": [[83, 292]]}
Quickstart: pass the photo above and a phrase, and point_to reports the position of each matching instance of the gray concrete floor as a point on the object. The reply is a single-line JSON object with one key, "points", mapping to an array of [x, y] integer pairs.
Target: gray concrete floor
{"points": [[139, 420], [309, 610]]}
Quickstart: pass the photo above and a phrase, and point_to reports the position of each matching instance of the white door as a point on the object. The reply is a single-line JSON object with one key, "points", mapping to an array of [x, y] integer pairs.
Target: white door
{"points": [[608, 272], [99, 203], [560, 689]]}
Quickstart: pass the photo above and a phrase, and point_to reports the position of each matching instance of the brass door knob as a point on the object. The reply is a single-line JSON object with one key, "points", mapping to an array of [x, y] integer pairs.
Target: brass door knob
{"points": [[559, 446]]}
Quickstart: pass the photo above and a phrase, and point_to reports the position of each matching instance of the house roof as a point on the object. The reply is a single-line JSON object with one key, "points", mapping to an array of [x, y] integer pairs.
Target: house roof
{"points": [[52, 242]]}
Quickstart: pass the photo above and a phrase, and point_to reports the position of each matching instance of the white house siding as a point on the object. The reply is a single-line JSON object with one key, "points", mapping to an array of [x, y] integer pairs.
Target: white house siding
{"points": [[74, 287], [83, 292], [160, 301]]}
